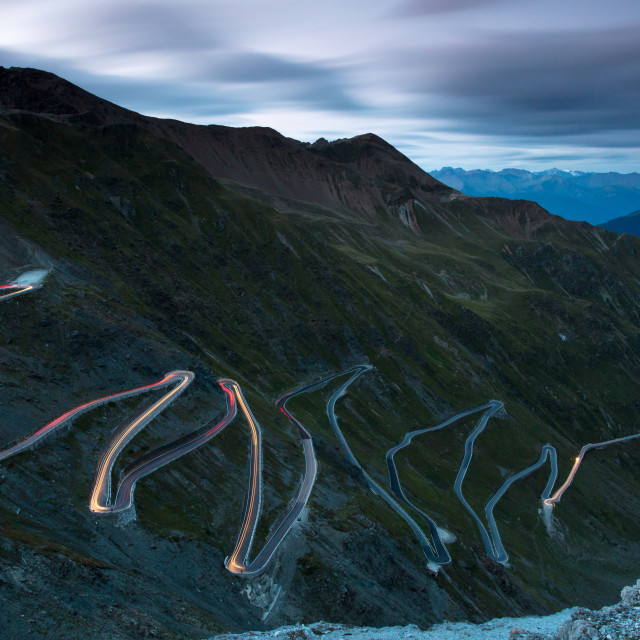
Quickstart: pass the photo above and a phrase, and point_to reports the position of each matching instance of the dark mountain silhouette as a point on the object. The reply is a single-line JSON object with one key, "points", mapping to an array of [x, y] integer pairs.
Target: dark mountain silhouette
{"points": [[624, 224]]}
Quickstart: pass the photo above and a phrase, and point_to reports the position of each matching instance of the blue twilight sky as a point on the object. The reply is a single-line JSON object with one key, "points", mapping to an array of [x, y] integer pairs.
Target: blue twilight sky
{"points": [[471, 83]]}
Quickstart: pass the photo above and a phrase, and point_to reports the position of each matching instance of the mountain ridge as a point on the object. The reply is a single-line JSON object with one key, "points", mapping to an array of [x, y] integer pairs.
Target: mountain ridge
{"points": [[624, 224], [267, 157], [369, 177], [574, 195]]}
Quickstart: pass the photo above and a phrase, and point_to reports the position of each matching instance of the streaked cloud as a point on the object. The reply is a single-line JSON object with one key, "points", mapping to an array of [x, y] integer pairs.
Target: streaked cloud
{"points": [[413, 8], [537, 84], [476, 83]]}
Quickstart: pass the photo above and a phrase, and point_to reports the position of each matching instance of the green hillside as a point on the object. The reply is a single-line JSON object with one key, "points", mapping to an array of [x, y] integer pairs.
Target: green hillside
{"points": [[158, 265]]}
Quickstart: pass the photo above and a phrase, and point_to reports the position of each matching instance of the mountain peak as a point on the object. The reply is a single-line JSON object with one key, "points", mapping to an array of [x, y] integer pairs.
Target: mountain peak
{"points": [[350, 149], [380, 161], [359, 174], [41, 92]]}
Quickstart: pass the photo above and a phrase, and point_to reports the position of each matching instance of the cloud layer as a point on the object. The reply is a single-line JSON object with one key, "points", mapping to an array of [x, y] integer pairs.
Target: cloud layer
{"points": [[474, 83]]}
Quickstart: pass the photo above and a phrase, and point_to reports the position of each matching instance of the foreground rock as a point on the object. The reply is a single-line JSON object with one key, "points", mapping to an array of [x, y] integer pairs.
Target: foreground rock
{"points": [[621, 621], [618, 622], [496, 629]]}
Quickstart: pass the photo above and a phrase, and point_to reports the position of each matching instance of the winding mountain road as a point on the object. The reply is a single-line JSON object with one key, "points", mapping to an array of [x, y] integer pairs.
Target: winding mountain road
{"points": [[491, 539], [492, 546], [99, 501], [66, 418], [555, 498], [432, 555], [101, 491], [437, 552], [548, 451], [238, 561], [153, 460]]}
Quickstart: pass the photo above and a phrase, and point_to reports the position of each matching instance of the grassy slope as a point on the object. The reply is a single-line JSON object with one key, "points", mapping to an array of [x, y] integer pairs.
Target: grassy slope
{"points": [[158, 266]]}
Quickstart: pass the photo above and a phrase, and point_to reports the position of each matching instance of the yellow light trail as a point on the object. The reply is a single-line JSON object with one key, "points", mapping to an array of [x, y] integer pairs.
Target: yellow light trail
{"points": [[243, 545], [102, 483], [558, 494], [555, 498], [238, 561], [21, 289]]}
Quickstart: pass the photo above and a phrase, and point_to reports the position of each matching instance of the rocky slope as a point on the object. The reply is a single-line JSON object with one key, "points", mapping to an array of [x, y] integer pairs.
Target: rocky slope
{"points": [[620, 621], [244, 254]]}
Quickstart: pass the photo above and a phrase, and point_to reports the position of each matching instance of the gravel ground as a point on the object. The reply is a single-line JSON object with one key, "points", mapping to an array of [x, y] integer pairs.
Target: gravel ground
{"points": [[497, 629], [618, 622]]}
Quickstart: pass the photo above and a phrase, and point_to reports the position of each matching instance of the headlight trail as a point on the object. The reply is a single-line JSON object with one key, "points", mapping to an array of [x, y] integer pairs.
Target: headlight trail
{"points": [[67, 417], [153, 460], [6, 290], [491, 538], [555, 498], [101, 492], [238, 561], [37, 436]]}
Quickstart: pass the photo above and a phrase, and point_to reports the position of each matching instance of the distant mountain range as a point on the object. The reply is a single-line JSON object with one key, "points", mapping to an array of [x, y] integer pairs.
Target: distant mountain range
{"points": [[574, 195]]}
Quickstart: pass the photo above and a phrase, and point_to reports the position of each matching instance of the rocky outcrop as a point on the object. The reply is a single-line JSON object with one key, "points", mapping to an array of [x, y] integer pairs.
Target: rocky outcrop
{"points": [[618, 622]]}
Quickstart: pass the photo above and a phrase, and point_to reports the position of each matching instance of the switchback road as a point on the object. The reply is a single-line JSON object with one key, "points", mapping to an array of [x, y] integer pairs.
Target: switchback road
{"points": [[238, 561], [555, 498], [490, 538], [375, 487], [167, 453], [184, 377], [101, 492], [438, 552]]}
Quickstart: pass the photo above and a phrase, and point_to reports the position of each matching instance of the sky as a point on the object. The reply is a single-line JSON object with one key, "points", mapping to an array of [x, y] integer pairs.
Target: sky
{"points": [[484, 84]]}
